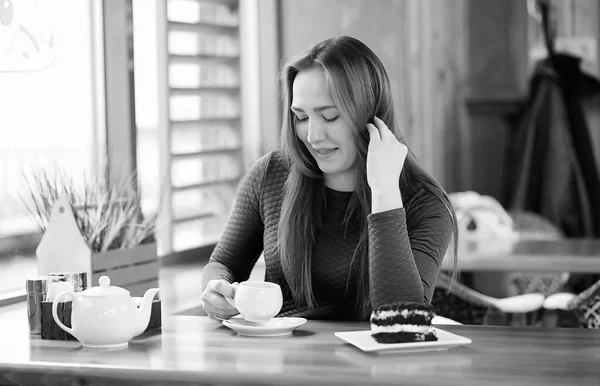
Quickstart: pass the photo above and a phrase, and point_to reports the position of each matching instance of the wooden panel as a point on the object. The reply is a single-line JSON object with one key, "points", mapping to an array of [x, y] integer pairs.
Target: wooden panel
{"points": [[487, 147], [445, 101], [355, 18], [497, 47], [421, 44], [129, 275], [123, 257], [140, 289], [120, 107], [586, 22]]}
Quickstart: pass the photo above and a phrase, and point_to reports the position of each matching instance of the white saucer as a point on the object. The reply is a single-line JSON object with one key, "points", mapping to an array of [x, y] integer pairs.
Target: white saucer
{"points": [[274, 327]]}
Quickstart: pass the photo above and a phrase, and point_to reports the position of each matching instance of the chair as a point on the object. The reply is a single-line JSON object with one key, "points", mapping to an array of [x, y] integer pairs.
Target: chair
{"points": [[529, 226], [534, 226], [458, 302], [561, 309]]}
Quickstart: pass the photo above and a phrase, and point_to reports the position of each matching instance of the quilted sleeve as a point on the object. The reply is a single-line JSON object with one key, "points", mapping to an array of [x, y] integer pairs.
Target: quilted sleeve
{"points": [[242, 240], [404, 263]]}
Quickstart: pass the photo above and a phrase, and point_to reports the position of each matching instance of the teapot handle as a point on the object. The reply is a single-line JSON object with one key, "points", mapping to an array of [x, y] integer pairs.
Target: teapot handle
{"points": [[55, 310]]}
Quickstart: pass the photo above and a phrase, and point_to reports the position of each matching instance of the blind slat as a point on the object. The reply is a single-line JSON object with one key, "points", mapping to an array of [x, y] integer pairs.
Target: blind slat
{"points": [[196, 154], [232, 61], [205, 184], [205, 121], [195, 217], [230, 3], [206, 90], [204, 28]]}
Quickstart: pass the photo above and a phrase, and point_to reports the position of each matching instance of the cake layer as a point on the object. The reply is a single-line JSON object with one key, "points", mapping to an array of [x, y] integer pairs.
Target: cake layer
{"points": [[402, 328], [389, 320], [399, 306], [403, 337], [403, 313]]}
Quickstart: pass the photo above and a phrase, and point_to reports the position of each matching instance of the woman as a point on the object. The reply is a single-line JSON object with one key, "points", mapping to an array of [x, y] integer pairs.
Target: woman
{"points": [[346, 219]]}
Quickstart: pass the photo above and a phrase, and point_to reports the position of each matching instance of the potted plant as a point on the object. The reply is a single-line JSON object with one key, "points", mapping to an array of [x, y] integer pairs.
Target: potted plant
{"points": [[109, 221]]}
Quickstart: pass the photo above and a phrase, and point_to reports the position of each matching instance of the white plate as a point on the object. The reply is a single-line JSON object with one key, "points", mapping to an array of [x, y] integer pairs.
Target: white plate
{"points": [[364, 341], [275, 327]]}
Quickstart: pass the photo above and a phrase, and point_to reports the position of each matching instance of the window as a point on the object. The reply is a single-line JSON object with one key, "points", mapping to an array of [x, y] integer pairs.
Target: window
{"points": [[189, 115], [49, 68]]}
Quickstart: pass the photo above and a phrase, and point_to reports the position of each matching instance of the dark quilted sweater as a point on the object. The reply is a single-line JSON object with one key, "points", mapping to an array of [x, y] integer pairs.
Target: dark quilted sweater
{"points": [[406, 246]]}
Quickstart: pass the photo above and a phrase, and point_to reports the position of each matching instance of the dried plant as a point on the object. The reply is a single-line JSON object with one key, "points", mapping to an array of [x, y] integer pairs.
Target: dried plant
{"points": [[107, 211]]}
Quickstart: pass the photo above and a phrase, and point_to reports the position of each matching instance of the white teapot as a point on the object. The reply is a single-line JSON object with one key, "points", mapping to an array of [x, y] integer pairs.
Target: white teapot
{"points": [[106, 316]]}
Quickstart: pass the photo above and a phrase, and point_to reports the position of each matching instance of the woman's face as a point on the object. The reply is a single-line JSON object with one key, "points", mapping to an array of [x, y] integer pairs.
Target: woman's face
{"points": [[323, 130]]}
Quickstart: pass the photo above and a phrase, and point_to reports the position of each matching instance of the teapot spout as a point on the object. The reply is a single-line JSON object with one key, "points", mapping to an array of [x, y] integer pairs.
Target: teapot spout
{"points": [[143, 311]]}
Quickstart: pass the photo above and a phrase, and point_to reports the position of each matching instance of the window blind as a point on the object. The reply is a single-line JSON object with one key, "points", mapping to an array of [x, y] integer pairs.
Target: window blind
{"points": [[201, 147]]}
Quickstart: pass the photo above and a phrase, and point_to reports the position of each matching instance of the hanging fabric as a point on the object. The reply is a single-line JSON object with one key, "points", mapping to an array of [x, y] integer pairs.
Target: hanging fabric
{"points": [[551, 163], [551, 166]]}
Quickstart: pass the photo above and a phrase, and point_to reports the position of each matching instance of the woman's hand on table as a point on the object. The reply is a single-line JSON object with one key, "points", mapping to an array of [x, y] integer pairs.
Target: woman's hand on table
{"points": [[214, 302]]}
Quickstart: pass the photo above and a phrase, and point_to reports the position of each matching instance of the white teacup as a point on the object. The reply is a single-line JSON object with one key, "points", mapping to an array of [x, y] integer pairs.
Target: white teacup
{"points": [[257, 301]]}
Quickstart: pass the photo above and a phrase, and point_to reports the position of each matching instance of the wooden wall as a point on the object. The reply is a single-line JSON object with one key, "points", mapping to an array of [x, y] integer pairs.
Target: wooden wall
{"points": [[458, 68], [419, 42], [496, 84], [582, 18], [500, 37]]}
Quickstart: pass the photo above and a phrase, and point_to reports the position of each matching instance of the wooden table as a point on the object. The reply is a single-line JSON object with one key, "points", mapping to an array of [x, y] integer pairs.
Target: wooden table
{"points": [[197, 350], [567, 255]]}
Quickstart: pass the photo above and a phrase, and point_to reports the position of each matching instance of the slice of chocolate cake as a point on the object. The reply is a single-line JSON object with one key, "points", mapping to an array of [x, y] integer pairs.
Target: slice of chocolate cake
{"points": [[403, 322]]}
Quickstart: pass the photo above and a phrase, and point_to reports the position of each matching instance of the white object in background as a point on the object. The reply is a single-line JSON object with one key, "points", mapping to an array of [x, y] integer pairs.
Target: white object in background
{"points": [[481, 217], [520, 304], [62, 248], [558, 301], [59, 286]]}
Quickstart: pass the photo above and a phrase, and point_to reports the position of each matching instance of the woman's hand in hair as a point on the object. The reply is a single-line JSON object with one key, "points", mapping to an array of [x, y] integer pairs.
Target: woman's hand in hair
{"points": [[385, 160], [214, 302]]}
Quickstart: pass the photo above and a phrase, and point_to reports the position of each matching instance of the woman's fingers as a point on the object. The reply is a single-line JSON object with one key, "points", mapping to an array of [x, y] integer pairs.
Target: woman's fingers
{"points": [[373, 132], [379, 130], [214, 302], [224, 288], [384, 130]]}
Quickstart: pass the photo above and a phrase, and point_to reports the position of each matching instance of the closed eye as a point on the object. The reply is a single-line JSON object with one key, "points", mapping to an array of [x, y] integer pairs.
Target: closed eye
{"points": [[331, 119], [298, 119]]}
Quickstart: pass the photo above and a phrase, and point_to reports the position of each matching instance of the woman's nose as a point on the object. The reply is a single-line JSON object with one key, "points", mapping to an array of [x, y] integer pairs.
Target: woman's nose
{"points": [[316, 133]]}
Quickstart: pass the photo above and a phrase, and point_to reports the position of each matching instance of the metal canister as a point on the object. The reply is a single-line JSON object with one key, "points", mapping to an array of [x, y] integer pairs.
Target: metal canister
{"points": [[79, 279], [37, 288]]}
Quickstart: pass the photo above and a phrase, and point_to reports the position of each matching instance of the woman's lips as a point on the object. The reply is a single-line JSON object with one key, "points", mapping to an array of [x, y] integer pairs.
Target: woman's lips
{"points": [[326, 151]]}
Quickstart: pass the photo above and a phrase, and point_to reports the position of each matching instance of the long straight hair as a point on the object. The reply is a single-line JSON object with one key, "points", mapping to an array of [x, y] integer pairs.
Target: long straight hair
{"points": [[360, 88]]}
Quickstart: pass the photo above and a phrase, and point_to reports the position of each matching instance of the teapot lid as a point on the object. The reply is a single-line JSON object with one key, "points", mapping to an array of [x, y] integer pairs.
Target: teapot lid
{"points": [[105, 289]]}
